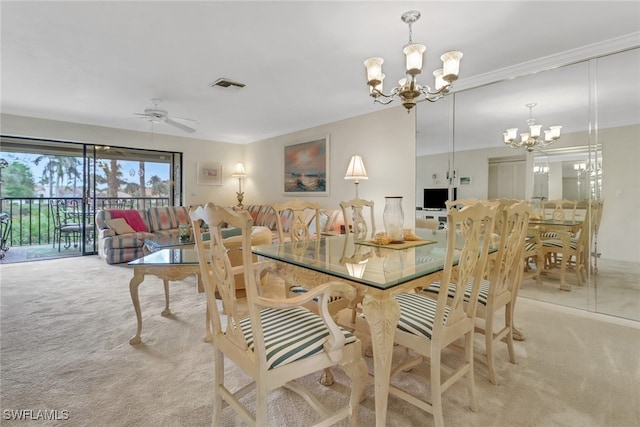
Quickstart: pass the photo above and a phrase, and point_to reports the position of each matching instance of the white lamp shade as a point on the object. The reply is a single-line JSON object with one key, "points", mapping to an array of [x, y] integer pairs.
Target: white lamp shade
{"points": [[374, 71], [413, 53], [511, 134], [440, 83], [534, 130], [356, 170], [238, 170], [451, 65]]}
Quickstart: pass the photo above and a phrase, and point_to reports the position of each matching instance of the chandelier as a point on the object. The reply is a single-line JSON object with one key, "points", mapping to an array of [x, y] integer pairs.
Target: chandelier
{"points": [[409, 91], [531, 139]]}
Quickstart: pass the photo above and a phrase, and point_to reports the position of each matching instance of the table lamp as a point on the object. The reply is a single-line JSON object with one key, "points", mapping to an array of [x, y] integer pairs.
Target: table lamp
{"points": [[239, 172], [356, 171]]}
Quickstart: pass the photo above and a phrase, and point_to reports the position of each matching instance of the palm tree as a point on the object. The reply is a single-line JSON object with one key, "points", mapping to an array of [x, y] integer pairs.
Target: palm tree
{"points": [[112, 176], [158, 186], [51, 169]]}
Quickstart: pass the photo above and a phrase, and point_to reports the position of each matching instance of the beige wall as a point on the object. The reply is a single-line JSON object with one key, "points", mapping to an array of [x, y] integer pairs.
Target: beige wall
{"points": [[193, 150], [386, 141]]}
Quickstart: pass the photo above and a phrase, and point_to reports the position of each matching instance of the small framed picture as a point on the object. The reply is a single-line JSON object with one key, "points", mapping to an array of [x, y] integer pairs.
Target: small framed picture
{"points": [[465, 180], [209, 173]]}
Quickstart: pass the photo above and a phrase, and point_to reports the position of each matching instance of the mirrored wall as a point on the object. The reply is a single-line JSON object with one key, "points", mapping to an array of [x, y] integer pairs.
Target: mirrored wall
{"points": [[597, 103]]}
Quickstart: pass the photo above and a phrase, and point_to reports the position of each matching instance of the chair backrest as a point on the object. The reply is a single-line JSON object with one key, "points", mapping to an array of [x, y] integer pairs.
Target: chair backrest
{"points": [[299, 228], [557, 209], [475, 225], [506, 273], [64, 211], [356, 221], [460, 203], [217, 274]]}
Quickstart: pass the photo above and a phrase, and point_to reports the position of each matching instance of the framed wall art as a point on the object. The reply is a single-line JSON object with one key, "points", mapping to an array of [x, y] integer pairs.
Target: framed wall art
{"points": [[306, 168], [209, 173]]}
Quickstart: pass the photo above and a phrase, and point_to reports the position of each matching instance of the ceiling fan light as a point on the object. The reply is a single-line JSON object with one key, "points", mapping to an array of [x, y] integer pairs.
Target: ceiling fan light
{"points": [[374, 71], [414, 53], [451, 65]]}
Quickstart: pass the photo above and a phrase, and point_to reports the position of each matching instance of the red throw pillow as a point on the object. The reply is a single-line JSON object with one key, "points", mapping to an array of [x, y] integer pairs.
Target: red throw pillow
{"points": [[132, 217]]}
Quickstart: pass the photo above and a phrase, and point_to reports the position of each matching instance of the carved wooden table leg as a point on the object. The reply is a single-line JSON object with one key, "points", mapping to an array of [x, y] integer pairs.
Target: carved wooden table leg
{"points": [[133, 289], [167, 311], [382, 317], [166, 273]]}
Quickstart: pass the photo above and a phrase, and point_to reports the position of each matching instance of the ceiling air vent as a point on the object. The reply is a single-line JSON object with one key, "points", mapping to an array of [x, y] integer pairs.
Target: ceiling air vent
{"points": [[226, 83]]}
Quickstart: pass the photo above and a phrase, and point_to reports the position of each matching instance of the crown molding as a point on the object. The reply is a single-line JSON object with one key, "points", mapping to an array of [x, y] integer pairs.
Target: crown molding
{"points": [[603, 48]]}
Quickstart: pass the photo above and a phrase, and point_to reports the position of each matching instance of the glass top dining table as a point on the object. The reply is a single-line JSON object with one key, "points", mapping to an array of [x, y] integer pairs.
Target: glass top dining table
{"points": [[381, 267], [378, 273]]}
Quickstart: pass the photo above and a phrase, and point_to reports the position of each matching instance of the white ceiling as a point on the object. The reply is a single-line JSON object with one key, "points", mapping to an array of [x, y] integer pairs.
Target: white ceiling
{"points": [[100, 62]]}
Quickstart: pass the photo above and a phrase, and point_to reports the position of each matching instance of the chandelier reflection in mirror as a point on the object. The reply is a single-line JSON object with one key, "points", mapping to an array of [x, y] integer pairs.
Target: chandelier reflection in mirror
{"points": [[531, 139], [409, 91]]}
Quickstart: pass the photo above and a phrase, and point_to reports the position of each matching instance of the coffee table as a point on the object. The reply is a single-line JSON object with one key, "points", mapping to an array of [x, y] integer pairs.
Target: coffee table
{"points": [[168, 265], [151, 246]]}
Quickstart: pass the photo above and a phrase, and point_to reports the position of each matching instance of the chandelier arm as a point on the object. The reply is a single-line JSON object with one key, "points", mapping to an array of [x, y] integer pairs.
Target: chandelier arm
{"points": [[382, 102]]}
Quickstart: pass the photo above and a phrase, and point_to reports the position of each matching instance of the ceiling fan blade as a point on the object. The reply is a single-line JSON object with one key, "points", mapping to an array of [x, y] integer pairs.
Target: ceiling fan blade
{"points": [[171, 122]]}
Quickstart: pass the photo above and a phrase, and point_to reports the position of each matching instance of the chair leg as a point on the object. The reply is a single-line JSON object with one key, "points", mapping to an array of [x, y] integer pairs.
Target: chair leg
{"points": [[218, 383], [436, 388], [488, 339], [358, 373], [508, 320], [471, 381]]}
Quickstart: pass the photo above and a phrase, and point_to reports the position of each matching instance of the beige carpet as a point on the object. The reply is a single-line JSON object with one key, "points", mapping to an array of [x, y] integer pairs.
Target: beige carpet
{"points": [[66, 324]]}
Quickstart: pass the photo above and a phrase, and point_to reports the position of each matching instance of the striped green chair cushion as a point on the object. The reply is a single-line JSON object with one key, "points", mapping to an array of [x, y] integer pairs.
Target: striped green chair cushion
{"points": [[557, 243], [549, 234], [290, 334], [530, 245], [483, 294], [301, 290], [417, 314]]}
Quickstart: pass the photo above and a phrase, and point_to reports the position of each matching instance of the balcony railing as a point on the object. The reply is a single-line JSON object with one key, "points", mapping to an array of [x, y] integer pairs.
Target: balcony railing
{"points": [[32, 221]]}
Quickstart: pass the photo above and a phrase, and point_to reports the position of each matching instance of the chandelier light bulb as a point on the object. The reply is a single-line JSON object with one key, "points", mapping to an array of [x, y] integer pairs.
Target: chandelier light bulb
{"points": [[413, 53], [451, 65], [374, 71]]}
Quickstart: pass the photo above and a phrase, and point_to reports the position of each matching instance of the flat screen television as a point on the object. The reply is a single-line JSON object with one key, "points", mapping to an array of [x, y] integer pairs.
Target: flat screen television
{"points": [[434, 198]]}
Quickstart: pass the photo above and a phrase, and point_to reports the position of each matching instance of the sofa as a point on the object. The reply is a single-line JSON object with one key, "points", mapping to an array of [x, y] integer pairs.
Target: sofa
{"points": [[331, 220], [118, 244]]}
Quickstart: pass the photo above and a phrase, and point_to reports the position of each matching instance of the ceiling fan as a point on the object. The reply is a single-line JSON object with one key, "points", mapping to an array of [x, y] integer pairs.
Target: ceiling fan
{"points": [[157, 115]]}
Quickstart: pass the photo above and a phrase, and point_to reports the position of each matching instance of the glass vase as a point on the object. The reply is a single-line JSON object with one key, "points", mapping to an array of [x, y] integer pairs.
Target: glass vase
{"points": [[393, 217]]}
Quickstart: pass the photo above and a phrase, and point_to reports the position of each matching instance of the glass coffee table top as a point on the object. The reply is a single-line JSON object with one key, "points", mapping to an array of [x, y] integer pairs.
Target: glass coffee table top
{"points": [[166, 243], [168, 257]]}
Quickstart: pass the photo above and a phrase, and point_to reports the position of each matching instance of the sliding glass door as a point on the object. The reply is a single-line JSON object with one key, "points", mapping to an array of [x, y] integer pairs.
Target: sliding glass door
{"points": [[48, 184]]}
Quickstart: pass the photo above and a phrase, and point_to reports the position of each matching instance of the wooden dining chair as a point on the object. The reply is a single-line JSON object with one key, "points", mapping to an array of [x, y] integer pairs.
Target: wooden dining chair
{"points": [[293, 220], [299, 281], [571, 252], [355, 220], [279, 341], [427, 326], [499, 291]]}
